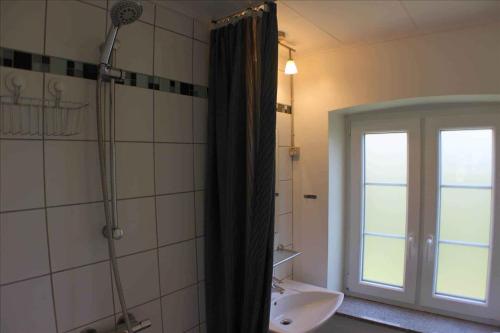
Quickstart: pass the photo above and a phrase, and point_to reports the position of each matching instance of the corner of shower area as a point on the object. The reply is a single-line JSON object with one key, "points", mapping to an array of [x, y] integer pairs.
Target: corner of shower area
{"points": [[102, 167]]}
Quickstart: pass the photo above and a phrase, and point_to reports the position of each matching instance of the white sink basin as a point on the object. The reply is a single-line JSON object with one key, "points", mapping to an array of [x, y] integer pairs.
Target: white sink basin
{"points": [[302, 308]]}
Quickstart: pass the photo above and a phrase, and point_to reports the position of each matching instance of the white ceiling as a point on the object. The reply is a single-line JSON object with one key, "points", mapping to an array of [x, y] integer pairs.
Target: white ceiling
{"points": [[313, 25]]}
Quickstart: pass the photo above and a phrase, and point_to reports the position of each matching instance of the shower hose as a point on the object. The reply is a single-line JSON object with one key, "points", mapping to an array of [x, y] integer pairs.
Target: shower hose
{"points": [[109, 208]]}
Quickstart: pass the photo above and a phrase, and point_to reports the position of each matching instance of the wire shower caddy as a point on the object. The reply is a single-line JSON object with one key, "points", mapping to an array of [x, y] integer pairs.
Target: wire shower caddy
{"points": [[34, 116]]}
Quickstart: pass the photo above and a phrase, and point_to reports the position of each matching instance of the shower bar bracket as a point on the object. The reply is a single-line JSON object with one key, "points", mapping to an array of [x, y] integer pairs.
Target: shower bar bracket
{"points": [[109, 73]]}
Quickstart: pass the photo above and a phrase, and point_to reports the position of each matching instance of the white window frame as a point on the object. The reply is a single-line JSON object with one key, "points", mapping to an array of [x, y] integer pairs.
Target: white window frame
{"points": [[491, 308], [354, 280], [427, 120]]}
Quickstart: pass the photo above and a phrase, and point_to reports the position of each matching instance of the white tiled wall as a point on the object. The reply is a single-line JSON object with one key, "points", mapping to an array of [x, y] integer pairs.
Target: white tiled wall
{"points": [[55, 272], [284, 169]]}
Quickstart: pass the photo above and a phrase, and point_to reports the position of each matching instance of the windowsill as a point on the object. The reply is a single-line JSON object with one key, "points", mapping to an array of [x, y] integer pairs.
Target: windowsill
{"points": [[407, 320]]}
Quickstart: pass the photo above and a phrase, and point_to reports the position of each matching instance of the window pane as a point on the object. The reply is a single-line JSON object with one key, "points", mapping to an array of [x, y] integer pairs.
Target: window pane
{"points": [[462, 271], [466, 157], [385, 209], [465, 215], [466, 164], [383, 260], [385, 158]]}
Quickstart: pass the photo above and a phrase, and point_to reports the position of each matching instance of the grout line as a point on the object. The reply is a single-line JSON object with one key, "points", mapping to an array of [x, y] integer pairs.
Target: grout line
{"points": [[54, 307], [95, 140], [180, 289], [175, 32], [82, 327], [95, 6], [94, 202], [162, 324], [25, 279], [286, 213], [194, 183], [73, 268]]}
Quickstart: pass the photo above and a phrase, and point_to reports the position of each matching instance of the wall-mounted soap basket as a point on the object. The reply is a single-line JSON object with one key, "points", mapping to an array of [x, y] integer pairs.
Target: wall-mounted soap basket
{"points": [[28, 116]]}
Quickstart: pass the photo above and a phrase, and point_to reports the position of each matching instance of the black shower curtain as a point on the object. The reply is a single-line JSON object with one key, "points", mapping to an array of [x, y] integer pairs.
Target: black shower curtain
{"points": [[239, 207]]}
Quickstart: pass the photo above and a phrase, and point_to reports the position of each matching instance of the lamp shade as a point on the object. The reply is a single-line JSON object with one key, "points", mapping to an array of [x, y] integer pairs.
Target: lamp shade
{"points": [[290, 67]]}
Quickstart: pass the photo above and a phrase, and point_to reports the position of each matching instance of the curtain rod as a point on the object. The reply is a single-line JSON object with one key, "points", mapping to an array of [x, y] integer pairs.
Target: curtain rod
{"points": [[262, 6]]}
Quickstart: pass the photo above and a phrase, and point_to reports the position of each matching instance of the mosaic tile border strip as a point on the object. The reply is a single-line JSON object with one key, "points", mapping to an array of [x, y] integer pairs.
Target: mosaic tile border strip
{"points": [[283, 108], [54, 65]]}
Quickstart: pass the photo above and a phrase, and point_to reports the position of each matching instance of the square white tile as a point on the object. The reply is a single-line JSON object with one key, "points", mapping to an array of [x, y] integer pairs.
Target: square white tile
{"points": [[201, 58], [173, 117], [173, 56], [139, 275], [174, 168], [69, 34], [200, 115], [200, 162], [177, 266], [176, 218], [21, 174], [75, 235], [22, 25], [285, 197], [33, 88], [136, 48], [151, 311], [134, 169], [137, 218], [284, 126], [83, 295], [284, 229], [27, 307], [72, 172], [174, 21], [80, 91], [180, 310], [133, 113], [202, 31], [284, 163], [200, 257], [199, 201], [23, 245]]}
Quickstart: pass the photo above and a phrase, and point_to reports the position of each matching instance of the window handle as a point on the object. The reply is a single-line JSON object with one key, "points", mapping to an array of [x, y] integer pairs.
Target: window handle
{"points": [[411, 245], [429, 248]]}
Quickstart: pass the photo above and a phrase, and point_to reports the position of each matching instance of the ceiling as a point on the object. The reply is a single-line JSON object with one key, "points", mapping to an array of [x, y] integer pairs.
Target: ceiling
{"points": [[315, 25]]}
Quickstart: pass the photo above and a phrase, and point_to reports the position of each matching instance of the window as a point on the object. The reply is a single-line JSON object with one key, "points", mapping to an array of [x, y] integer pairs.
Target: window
{"points": [[453, 263]]}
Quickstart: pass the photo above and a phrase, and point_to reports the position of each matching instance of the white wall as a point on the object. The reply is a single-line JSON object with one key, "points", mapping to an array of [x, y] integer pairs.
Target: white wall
{"points": [[283, 224], [455, 62]]}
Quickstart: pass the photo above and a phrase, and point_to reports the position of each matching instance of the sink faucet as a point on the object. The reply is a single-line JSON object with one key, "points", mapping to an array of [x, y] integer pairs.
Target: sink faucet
{"points": [[275, 287]]}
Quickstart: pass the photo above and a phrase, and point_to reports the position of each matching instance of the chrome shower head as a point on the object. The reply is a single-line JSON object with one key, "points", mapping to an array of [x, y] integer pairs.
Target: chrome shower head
{"points": [[125, 12]]}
